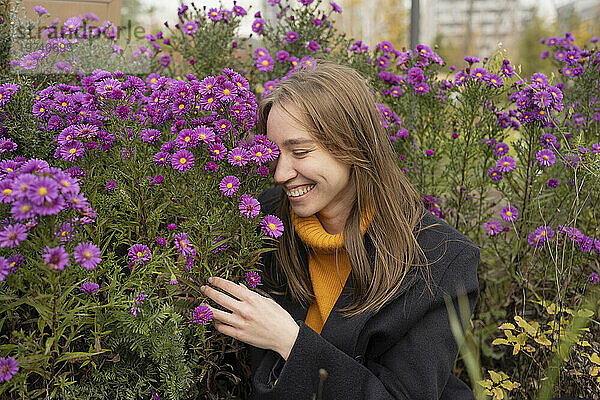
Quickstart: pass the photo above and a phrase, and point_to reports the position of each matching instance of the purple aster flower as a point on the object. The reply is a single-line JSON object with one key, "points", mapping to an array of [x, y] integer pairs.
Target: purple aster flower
{"points": [[186, 139], [336, 8], [72, 150], [40, 10], [88, 255], [480, 74], [507, 70], [552, 183], [501, 149], [471, 59], [429, 152], [239, 10], [493, 227], [291, 36], [272, 226], [415, 75], [204, 134], [460, 77], [139, 254], [593, 279], [548, 140], [217, 151], [8, 368], [264, 63], [494, 80], [150, 135], [312, 46], [43, 190], [229, 185], [238, 156], [506, 164], [161, 241], [162, 158], [259, 153], [546, 157], [183, 244], [12, 235], [22, 210], [182, 160], [110, 186], [542, 99], [202, 314], [509, 214], [257, 25], [220, 244], [282, 56], [223, 126], [249, 206], [495, 174], [172, 227], [215, 14], [190, 27], [421, 88], [260, 52], [89, 288], [211, 167], [253, 278], [56, 257]]}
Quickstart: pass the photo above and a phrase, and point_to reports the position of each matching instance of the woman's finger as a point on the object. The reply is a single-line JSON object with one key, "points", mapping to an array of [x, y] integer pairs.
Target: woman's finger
{"points": [[224, 317], [221, 298]]}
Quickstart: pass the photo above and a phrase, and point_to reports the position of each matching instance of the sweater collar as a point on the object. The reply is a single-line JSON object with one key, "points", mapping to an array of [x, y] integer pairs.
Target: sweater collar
{"points": [[311, 232]]}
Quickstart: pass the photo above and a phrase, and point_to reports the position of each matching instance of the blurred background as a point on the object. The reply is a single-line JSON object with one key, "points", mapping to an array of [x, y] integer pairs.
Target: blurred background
{"points": [[456, 27]]}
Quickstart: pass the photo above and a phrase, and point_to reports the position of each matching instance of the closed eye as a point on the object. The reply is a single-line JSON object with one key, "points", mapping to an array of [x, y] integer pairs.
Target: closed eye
{"points": [[300, 153]]}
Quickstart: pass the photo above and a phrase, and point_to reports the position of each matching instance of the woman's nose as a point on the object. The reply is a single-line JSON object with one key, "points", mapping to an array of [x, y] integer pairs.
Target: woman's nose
{"points": [[284, 170]]}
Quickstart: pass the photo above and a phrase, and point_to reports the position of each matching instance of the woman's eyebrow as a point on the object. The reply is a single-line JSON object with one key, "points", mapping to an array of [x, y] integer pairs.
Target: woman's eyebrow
{"points": [[296, 142]]}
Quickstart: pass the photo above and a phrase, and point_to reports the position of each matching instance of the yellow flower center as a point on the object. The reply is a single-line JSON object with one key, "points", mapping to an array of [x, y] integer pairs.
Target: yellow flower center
{"points": [[229, 185], [259, 154], [72, 151], [545, 157], [506, 163], [25, 208], [139, 254], [217, 152], [182, 160], [12, 235], [42, 109], [187, 138], [181, 106], [238, 158], [226, 92], [87, 255], [6, 192], [508, 214], [9, 170], [42, 191], [202, 136], [272, 227], [210, 100], [153, 80]]}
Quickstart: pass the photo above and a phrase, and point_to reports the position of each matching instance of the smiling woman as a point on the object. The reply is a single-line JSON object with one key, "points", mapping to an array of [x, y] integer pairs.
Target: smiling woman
{"points": [[361, 275]]}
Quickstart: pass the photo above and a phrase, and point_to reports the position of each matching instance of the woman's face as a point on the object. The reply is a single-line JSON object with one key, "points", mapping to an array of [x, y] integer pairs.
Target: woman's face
{"points": [[314, 181]]}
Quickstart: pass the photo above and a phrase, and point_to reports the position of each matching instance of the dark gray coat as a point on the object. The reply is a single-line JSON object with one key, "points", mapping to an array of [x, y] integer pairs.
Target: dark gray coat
{"points": [[404, 351]]}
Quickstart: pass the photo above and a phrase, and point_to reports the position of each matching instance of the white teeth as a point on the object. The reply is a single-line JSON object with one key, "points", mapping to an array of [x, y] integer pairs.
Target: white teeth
{"points": [[299, 192]]}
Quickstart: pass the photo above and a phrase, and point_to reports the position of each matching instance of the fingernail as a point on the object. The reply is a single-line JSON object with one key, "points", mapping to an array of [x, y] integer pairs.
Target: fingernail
{"points": [[211, 279], [202, 288]]}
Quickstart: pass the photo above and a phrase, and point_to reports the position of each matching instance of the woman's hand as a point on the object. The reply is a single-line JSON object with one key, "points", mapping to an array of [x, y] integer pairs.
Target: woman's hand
{"points": [[254, 319]]}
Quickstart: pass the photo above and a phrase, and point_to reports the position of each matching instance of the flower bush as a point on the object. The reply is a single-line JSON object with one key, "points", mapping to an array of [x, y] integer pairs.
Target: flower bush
{"points": [[102, 286]]}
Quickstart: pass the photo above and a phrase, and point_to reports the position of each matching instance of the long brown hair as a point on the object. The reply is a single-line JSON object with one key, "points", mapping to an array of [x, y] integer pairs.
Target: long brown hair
{"points": [[337, 108]]}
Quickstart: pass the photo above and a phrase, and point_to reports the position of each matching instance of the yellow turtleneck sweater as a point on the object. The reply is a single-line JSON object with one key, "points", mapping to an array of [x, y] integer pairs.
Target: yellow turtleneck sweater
{"points": [[328, 270]]}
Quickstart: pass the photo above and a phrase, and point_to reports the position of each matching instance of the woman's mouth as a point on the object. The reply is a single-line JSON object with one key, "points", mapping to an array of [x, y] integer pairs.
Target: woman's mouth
{"points": [[298, 192]]}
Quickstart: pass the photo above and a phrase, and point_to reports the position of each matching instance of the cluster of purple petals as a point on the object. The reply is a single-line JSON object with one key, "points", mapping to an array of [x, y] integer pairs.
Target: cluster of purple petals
{"points": [[413, 63], [139, 300], [62, 38], [537, 100], [434, 205], [9, 265], [253, 278], [32, 189], [7, 90], [8, 368], [481, 74], [570, 56], [543, 234], [202, 314], [504, 162]]}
